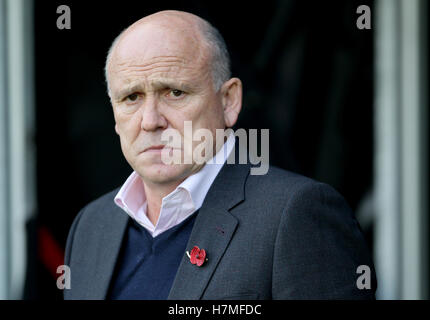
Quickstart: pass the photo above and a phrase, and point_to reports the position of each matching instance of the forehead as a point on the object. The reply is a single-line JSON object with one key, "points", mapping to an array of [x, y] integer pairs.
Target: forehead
{"points": [[158, 51], [152, 40]]}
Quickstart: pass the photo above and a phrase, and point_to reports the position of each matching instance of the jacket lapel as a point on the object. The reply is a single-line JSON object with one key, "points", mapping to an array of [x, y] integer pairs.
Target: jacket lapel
{"points": [[213, 229]]}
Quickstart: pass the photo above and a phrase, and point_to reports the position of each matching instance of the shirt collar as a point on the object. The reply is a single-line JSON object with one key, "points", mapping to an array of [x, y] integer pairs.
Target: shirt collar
{"points": [[199, 183]]}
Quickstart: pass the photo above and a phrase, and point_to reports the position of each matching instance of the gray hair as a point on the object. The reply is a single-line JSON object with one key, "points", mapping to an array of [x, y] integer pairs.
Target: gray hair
{"points": [[220, 56], [217, 46]]}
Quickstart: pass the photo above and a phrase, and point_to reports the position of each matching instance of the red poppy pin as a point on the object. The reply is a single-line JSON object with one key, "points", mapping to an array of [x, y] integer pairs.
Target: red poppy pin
{"points": [[197, 256]]}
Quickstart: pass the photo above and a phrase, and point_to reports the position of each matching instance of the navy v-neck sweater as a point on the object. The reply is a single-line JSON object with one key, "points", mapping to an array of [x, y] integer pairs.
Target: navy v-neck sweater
{"points": [[147, 266]]}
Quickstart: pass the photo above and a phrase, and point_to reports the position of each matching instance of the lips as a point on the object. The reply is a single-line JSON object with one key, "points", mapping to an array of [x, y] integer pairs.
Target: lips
{"points": [[154, 148]]}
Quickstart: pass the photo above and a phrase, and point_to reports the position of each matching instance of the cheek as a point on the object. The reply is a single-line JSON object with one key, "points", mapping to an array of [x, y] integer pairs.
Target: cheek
{"points": [[211, 117], [206, 113], [128, 126]]}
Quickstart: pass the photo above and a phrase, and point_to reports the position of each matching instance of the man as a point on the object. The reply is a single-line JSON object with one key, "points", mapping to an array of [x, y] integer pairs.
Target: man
{"points": [[191, 230]]}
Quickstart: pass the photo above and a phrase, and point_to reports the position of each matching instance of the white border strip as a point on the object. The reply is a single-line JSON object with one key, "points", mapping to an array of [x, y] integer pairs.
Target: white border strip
{"points": [[4, 243], [401, 149], [21, 134], [387, 151], [414, 164]]}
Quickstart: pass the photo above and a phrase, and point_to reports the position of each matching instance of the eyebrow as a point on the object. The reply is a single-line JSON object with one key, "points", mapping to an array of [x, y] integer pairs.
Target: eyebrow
{"points": [[127, 90], [157, 85]]}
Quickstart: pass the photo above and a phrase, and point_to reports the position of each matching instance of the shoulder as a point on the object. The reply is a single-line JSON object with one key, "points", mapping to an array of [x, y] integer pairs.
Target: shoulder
{"points": [[93, 214], [286, 186], [316, 234], [285, 198], [101, 203], [95, 210]]}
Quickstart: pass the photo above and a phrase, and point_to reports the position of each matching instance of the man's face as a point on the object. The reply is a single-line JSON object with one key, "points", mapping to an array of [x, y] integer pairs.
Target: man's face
{"points": [[160, 77]]}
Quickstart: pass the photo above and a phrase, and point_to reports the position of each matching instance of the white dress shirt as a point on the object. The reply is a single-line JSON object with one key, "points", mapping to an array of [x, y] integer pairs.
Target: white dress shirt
{"points": [[186, 199]]}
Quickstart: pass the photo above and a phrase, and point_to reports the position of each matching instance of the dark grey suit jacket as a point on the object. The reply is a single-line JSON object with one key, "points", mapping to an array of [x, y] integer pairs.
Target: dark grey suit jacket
{"points": [[275, 236]]}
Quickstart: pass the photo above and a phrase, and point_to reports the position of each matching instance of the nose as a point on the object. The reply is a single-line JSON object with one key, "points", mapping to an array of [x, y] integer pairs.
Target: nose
{"points": [[152, 119]]}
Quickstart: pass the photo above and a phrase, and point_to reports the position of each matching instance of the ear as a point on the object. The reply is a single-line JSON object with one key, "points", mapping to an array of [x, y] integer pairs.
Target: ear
{"points": [[231, 97]]}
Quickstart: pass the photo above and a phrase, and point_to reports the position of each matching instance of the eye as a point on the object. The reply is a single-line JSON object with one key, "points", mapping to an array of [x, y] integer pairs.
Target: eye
{"points": [[176, 93], [132, 97]]}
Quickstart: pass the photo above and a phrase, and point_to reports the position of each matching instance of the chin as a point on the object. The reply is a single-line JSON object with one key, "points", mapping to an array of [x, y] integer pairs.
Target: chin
{"points": [[161, 173]]}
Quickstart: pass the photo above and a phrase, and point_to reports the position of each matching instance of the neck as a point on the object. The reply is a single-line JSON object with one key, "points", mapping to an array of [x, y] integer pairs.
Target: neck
{"points": [[154, 195]]}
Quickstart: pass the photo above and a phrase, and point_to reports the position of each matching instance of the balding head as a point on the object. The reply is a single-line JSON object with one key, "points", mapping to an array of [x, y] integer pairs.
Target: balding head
{"points": [[177, 32]]}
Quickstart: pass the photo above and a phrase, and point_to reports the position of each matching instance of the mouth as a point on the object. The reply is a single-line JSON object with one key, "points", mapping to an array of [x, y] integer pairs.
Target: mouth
{"points": [[154, 148]]}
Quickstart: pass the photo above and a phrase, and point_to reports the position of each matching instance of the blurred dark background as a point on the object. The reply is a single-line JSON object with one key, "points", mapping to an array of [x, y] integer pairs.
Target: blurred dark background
{"points": [[308, 77]]}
